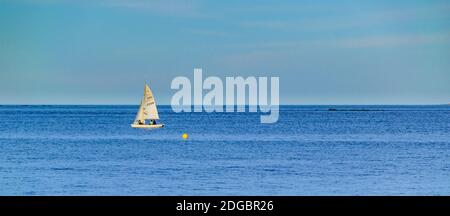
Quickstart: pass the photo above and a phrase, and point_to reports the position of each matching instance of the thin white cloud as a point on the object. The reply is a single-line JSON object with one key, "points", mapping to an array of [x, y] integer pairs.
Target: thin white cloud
{"points": [[269, 24], [208, 32], [350, 19], [392, 40], [395, 40]]}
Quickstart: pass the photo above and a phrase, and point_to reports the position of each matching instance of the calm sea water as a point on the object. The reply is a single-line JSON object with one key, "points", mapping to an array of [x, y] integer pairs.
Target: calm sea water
{"points": [[357, 150]]}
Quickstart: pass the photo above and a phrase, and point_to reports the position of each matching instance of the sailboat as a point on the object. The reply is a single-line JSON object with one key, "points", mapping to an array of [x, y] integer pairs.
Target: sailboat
{"points": [[147, 111]]}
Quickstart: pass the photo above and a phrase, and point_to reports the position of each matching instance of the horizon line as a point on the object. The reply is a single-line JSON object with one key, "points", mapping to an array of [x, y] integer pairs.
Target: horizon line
{"points": [[287, 104]]}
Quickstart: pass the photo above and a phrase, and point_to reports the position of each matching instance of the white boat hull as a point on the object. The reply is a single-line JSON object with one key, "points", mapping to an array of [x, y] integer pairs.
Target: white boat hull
{"points": [[147, 126]]}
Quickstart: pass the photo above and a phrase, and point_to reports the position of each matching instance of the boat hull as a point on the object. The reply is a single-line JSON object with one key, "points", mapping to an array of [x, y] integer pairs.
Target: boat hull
{"points": [[147, 126]]}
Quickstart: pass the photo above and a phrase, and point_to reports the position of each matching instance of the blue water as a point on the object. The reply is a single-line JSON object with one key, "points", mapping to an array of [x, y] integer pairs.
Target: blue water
{"points": [[357, 150]]}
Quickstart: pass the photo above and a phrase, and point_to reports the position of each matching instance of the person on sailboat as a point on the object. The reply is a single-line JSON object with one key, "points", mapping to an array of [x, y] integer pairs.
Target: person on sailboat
{"points": [[152, 122], [140, 122]]}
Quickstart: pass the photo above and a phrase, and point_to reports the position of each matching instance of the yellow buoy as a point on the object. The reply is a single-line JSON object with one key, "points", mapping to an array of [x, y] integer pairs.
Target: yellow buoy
{"points": [[185, 136]]}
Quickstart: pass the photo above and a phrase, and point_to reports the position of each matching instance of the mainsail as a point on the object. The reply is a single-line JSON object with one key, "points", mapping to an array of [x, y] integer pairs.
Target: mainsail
{"points": [[148, 109]]}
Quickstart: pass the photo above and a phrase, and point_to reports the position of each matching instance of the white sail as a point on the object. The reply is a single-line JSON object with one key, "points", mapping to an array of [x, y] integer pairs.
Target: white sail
{"points": [[149, 109], [139, 115]]}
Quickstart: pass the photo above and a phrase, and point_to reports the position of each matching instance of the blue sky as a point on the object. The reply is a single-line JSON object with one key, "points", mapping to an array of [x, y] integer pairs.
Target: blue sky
{"points": [[332, 52]]}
